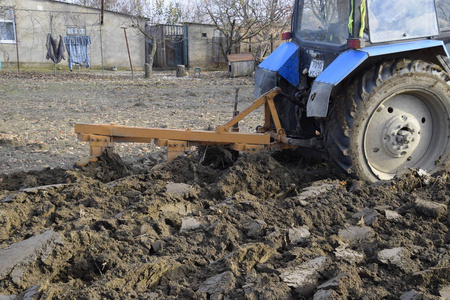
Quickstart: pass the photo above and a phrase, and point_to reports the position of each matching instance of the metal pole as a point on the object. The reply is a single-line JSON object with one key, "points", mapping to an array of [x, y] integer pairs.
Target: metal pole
{"points": [[17, 43], [101, 49], [101, 40], [103, 12], [51, 33], [128, 49]]}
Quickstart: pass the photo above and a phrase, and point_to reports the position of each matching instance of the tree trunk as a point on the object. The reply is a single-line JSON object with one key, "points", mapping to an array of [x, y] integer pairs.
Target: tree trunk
{"points": [[149, 66], [148, 70]]}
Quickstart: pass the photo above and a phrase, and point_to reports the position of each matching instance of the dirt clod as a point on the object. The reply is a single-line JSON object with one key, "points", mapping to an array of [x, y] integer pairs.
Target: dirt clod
{"points": [[169, 235], [212, 225]]}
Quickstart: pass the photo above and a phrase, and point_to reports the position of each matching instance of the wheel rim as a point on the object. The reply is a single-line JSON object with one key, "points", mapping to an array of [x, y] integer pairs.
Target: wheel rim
{"points": [[407, 130]]}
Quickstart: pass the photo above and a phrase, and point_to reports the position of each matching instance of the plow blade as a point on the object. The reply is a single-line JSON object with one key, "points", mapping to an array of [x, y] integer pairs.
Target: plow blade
{"points": [[269, 136]]}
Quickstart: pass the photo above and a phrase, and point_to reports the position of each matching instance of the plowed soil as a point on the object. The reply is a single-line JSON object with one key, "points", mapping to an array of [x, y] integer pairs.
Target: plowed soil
{"points": [[208, 225]]}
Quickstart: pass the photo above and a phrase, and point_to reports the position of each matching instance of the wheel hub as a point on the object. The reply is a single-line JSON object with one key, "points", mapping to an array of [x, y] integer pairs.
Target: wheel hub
{"points": [[401, 135]]}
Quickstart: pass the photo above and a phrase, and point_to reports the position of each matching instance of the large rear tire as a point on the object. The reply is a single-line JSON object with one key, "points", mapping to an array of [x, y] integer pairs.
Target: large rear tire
{"points": [[394, 117]]}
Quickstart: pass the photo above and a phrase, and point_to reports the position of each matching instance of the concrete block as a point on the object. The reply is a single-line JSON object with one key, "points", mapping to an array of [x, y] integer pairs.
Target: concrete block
{"points": [[356, 234], [392, 256], [8, 297], [392, 215], [14, 258], [349, 255], [411, 295], [326, 295], [367, 215], [218, 285], [444, 292], [316, 190], [255, 228], [189, 223], [430, 208], [180, 189], [9, 198], [304, 277], [31, 294], [45, 187], [399, 257], [299, 234]]}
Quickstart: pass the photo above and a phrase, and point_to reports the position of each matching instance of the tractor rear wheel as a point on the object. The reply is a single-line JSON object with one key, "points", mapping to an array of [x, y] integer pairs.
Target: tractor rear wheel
{"points": [[394, 117]]}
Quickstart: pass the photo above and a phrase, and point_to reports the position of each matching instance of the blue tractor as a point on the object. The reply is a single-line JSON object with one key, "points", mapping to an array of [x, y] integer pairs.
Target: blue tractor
{"points": [[366, 81]]}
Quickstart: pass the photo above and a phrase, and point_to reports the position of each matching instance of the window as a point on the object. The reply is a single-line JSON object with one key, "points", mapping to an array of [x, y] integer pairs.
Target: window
{"points": [[443, 12], [204, 35], [7, 26], [401, 19], [76, 30], [328, 25]]}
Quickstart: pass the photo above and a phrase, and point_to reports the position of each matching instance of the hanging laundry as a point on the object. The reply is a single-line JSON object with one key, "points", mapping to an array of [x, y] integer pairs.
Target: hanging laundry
{"points": [[77, 48], [55, 50]]}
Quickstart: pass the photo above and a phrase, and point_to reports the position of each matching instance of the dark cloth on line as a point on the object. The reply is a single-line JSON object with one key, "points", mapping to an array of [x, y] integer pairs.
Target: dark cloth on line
{"points": [[56, 51]]}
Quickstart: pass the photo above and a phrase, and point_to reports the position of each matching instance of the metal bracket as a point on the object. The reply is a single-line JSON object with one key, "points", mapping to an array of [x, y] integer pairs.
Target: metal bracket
{"points": [[247, 147], [174, 147], [98, 143]]}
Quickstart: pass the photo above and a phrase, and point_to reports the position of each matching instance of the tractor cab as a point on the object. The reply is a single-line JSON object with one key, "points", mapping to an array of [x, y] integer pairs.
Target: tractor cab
{"points": [[374, 21], [324, 29]]}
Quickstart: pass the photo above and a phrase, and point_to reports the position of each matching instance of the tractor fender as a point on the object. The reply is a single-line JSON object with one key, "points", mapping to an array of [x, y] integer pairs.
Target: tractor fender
{"points": [[345, 65], [284, 62]]}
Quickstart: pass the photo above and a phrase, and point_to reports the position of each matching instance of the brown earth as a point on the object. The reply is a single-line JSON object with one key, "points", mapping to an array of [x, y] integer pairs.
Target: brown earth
{"points": [[204, 226]]}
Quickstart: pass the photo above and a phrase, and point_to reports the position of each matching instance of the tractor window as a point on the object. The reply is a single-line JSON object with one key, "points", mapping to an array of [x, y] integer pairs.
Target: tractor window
{"points": [[323, 21], [443, 12], [401, 19]]}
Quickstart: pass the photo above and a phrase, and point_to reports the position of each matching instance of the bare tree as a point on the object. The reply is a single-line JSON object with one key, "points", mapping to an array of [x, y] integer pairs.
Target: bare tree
{"points": [[240, 20], [158, 11], [192, 11], [324, 10], [269, 38], [153, 32]]}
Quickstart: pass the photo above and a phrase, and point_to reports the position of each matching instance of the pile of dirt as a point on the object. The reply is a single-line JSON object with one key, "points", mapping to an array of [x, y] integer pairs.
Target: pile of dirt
{"points": [[214, 226]]}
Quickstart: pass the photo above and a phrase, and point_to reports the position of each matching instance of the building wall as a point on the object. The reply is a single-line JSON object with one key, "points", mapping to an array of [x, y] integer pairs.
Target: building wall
{"points": [[200, 47], [36, 18]]}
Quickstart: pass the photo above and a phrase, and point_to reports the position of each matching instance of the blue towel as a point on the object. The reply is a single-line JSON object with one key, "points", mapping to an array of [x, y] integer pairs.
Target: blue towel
{"points": [[77, 48]]}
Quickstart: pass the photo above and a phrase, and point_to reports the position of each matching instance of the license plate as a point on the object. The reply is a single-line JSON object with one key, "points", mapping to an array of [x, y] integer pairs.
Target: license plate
{"points": [[315, 68]]}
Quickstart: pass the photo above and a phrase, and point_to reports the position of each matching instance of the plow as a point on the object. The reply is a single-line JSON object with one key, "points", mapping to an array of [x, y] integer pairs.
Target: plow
{"points": [[270, 136]]}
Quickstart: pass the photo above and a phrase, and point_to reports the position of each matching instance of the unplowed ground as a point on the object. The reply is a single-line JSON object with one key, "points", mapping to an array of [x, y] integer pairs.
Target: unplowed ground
{"points": [[205, 226]]}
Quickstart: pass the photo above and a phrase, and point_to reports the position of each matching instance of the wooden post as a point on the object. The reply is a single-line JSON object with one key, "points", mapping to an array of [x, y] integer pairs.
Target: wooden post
{"points": [[128, 49]]}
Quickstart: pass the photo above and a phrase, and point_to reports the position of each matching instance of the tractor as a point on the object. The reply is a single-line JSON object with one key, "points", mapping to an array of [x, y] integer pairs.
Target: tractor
{"points": [[367, 82], [371, 78]]}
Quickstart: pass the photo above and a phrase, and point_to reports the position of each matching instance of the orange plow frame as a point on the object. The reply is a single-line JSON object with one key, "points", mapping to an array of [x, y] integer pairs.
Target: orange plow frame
{"points": [[178, 141]]}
